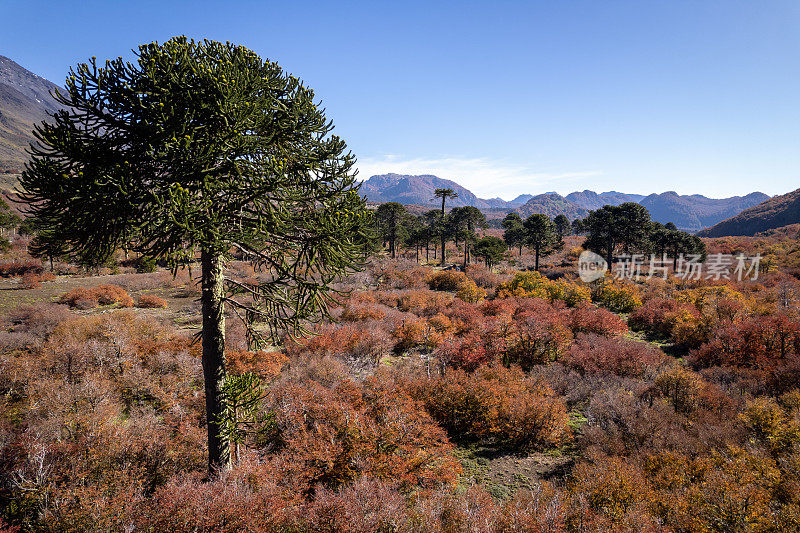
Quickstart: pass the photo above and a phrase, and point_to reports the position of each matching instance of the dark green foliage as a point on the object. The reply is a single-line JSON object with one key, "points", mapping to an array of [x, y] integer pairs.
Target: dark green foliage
{"points": [[463, 221], [625, 225], [145, 264], [444, 194], [392, 223], [8, 218], [514, 233], [202, 146], [491, 250], [541, 236], [578, 226], [563, 226], [629, 228]]}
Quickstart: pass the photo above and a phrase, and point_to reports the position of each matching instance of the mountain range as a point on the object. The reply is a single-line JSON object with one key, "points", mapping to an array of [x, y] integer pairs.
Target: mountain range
{"points": [[25, 100], [688, 212], [776, 212]]}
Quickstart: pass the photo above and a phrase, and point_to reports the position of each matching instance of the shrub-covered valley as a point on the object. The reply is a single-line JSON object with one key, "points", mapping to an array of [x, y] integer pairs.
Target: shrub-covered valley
{"points": [[437, 400]]}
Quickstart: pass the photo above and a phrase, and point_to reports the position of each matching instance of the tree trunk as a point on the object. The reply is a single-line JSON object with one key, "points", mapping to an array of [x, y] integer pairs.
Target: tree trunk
{"points": [[536, 264], [214, 356]]}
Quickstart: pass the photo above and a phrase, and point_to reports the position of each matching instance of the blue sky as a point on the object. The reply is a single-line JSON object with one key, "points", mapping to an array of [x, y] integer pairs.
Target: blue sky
{"points": [[504, 97]]}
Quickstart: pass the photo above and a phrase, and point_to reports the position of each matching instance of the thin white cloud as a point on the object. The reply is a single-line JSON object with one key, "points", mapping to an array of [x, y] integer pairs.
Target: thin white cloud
{"points": [[485, 177]]}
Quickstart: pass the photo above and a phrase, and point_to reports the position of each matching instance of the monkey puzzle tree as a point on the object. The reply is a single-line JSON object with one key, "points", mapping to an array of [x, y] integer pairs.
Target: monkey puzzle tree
{"points": [[563, 227], [514, 233], [541, 236], [491, 250], [391, 217], [444, 194], [464, 222], [202, 147]]}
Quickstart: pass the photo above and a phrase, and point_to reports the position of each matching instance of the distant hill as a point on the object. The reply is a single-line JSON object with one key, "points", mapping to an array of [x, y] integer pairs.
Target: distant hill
{"points": [[552, 205], [695, 212], [24, 100], [521, 199], [770, 214], [419, 190], [591, 200]]}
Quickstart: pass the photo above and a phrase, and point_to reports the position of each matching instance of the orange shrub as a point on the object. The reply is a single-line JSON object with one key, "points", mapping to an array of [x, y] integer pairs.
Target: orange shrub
{"points": [[446, 280], [149, 301], [601, 355], [265, 364], [84, 298], [327, 437], [495, 404]]}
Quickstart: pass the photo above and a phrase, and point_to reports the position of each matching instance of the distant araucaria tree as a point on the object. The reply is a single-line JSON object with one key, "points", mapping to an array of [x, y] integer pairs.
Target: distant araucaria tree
{"points": [[202, 147]]}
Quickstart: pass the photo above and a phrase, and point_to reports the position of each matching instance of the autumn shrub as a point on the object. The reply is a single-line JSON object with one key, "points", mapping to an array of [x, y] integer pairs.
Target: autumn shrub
{"points": [[469, 291], [357, 311], [494, 404], [359, 343], [28, 326], [681, 387], [150, 301], [423, 302], [658, 316], [400, 274], [571, 293], [760, 342], [590, 319], [611, 485], [327, 437], [616, 296], [446, 280], [483, 277], [416, 333], [532, 338], [83, 298], [18, 267], [30, 280], [602, 355], [532, 284], [265, 364], [468, 352], [776, 426]]}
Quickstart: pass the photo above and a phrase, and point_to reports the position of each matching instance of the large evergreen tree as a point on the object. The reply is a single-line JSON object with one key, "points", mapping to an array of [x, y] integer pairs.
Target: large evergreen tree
{"points": [[391, 221], [514, 233], [444, 194], [202, 147], [541, 236]]}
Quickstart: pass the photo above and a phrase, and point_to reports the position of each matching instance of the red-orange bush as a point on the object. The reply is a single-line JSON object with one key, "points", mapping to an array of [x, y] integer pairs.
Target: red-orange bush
{"points": [[761, 342], [594, 354], [494, 403], [150, 301], [84, 298], [331, 436]]}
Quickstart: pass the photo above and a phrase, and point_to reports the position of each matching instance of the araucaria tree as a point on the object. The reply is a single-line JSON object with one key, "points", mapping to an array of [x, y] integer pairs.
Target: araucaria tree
{"points": [[391, 218], [541, 236], [202, 147], [444, 194]]}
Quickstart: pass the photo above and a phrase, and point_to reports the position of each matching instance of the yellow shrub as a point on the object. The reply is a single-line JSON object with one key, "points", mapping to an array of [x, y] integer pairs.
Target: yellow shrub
{"points": [[534, 285], [469, 291], [617, 297]]}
